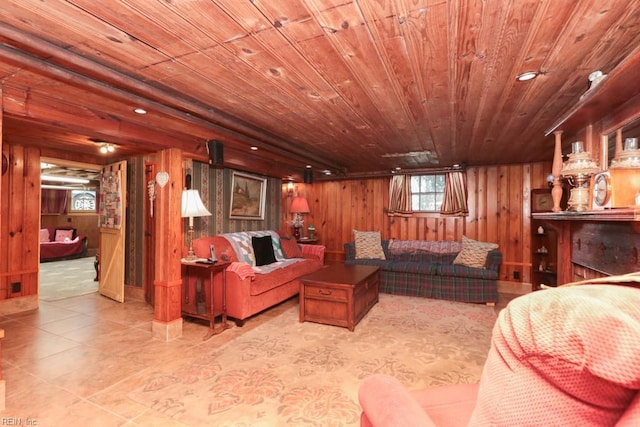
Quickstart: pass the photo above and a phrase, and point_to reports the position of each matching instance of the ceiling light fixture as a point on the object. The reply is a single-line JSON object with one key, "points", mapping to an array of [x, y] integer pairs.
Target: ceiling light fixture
{"points": [[139, 110], [529, 75], [61, 187], [254, 148], [67, 179], [107, 148]]}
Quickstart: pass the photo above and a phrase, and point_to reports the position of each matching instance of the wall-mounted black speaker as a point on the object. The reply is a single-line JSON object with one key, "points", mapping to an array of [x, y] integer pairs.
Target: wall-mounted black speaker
{"points": [[216, 153], [308, 176]]}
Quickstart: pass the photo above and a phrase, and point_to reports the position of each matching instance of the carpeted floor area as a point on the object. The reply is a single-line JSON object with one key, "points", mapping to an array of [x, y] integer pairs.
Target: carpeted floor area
{"points": [[288, 373], [65, 279]]}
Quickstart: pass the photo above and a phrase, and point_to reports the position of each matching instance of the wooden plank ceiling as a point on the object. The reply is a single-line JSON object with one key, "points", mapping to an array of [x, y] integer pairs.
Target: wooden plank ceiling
{"points": [[356, 87]]}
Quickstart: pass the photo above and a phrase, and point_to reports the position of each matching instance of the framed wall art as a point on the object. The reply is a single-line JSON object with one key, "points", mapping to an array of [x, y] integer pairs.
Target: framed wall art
{"points": [[248, 194]]}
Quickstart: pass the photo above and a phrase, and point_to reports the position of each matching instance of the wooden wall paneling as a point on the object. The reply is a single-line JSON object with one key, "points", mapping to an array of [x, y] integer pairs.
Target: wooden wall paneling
{"points": [[5, 209], [15, 218], [31, 221], [502, 213], [16, 215], [499, 211], [480, 203], [510, 220], [489, 232], [21, 218], [471, 222]]}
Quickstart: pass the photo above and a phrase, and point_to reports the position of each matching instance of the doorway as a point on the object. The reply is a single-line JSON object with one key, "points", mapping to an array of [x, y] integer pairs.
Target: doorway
{"points": [[63, 272]]}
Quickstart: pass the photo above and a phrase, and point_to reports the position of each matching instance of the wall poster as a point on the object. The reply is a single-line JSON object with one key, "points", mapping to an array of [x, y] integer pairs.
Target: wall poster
{"points": [[110, 214]]}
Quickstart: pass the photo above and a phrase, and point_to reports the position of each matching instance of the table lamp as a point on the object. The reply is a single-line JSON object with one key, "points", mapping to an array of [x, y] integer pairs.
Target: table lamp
{"points": [[298, 207], [191, 207]]}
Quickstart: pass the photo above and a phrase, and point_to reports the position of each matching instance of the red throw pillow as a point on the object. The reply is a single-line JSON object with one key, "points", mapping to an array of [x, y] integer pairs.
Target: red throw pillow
{"points": [[290, 248]]}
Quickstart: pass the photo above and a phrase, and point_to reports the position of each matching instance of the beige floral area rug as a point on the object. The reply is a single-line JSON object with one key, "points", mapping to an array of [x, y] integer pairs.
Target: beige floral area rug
{"points": [[304, 374]]}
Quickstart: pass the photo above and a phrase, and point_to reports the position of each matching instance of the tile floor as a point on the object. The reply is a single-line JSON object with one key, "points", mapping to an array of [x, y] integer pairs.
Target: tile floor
{"points": [[73, 361]]}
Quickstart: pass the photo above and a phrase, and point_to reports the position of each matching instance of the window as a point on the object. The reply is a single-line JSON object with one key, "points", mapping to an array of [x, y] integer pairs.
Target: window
{"points": [[427, 192], [83, 201]]}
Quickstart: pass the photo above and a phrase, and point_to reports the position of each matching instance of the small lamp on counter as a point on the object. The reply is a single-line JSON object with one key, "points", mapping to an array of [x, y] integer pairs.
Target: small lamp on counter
{"points": [[299, 206], [629, 157], [578, 170], [192, 206]]}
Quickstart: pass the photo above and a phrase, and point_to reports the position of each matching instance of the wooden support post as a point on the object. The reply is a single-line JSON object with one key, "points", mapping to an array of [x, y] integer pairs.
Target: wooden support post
{"points": [[556, 191], [167, 323]]}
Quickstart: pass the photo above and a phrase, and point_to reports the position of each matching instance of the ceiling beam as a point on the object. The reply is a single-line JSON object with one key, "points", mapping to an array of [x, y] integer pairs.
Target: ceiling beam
{"points": [[152, 97]]}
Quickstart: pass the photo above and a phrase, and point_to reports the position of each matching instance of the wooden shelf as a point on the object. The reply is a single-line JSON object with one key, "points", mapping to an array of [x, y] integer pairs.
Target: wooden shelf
{"points": [[618, 87], [626, 214]]}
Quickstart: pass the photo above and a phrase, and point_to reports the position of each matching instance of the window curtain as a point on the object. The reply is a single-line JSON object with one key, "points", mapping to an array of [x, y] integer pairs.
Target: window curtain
{"points": [[455, 194], [400, 196], [53, 201]]}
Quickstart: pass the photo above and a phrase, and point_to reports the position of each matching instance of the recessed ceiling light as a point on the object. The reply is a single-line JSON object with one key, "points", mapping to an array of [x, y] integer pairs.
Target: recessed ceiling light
{"points": [[139, 110], [529, 75], [254, 148]]}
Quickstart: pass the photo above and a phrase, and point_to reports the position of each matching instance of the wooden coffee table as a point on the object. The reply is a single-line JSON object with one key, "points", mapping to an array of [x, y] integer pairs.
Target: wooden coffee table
{"points": [[338, 294]]}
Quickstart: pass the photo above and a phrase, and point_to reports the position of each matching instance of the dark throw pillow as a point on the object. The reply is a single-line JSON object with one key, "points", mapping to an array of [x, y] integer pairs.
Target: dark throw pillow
{"points": [[290, 247], [263, 250]]}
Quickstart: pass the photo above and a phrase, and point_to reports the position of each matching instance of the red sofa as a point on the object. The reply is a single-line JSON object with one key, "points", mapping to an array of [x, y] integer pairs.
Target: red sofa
{"points": [[251, 289], [61, 243]]}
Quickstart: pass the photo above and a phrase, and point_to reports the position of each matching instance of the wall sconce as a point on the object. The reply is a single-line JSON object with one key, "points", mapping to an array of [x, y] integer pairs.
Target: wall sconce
{"points": [[290, 189], [107, 148]]}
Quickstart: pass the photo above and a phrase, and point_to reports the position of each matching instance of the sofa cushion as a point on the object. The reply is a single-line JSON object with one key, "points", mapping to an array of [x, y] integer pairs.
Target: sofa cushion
{"points": [[263, 250], [44, 235], [458, 270], [64, 234], [410, 267], [290, 247], [368, 245], [474, 253]]}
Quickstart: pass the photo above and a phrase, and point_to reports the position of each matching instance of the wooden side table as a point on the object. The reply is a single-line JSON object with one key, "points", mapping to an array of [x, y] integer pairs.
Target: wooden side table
{"points": [[194, 303], [307, 240]]}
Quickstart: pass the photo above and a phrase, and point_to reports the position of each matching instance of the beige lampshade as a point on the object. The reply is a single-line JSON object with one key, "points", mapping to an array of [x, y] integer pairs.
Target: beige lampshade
{"points": [[192, 205], [299, 205]]}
